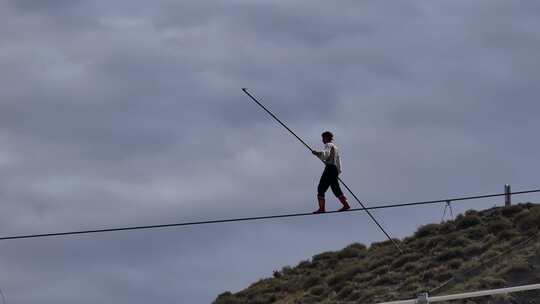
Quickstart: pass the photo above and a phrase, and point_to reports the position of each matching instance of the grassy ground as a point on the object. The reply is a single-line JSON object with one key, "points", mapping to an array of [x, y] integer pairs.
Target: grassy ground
{"points": [[469, 250]]}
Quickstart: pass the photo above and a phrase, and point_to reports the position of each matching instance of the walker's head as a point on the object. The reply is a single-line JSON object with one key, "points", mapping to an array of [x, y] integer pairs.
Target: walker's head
{"points": [[327, 137]]}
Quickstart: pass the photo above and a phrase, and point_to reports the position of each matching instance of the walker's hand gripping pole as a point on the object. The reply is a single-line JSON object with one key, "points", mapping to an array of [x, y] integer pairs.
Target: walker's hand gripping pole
{"points": [[340, 180]]}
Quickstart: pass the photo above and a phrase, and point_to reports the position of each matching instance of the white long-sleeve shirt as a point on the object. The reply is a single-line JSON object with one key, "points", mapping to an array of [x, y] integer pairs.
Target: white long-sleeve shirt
{"points": [[325, 155]]}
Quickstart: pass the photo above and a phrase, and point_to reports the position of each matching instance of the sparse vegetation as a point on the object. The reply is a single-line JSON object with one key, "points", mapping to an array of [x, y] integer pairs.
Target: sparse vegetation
{"points": [[434, 254]]}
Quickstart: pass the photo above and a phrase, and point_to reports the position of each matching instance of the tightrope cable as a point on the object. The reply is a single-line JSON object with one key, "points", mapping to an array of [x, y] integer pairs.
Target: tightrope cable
{"points": [[244, 219]]}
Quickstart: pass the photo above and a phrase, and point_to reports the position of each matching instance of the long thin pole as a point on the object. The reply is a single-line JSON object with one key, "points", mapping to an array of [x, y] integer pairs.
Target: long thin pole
{"points": [[340, 180]]}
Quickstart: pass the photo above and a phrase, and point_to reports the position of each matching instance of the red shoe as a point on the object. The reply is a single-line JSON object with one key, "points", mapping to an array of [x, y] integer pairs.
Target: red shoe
{"points": [[322, 204], [344, 202], [344, 208]]}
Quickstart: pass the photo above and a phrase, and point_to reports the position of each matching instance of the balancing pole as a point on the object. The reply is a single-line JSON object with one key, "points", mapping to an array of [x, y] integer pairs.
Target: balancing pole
{"points": [[340, 180]]}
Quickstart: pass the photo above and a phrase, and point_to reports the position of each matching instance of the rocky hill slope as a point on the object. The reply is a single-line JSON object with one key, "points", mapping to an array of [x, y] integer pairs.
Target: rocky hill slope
{"points": [[494, 248]]}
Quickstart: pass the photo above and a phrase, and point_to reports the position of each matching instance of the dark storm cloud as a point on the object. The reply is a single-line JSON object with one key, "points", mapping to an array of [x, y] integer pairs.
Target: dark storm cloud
{"points": [[128, 113], [43, 6]]}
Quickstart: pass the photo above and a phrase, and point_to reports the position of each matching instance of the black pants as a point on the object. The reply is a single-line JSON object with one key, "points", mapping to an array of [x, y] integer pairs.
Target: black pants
{"points": [[329, 178]]}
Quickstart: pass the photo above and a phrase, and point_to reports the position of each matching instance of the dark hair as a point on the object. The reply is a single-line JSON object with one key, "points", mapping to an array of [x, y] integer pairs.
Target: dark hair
{"points": [[328, 134]]}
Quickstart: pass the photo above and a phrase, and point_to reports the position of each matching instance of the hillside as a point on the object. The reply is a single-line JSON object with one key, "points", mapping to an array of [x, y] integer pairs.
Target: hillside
{"points": [[472, 249]]}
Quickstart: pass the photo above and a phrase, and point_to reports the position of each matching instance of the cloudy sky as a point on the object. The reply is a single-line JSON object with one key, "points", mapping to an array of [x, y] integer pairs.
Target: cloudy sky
{"points": [[120, 113]]}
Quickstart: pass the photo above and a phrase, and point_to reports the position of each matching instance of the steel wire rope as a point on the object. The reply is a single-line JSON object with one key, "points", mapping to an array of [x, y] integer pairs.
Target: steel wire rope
{"points": [[243, 219]]}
